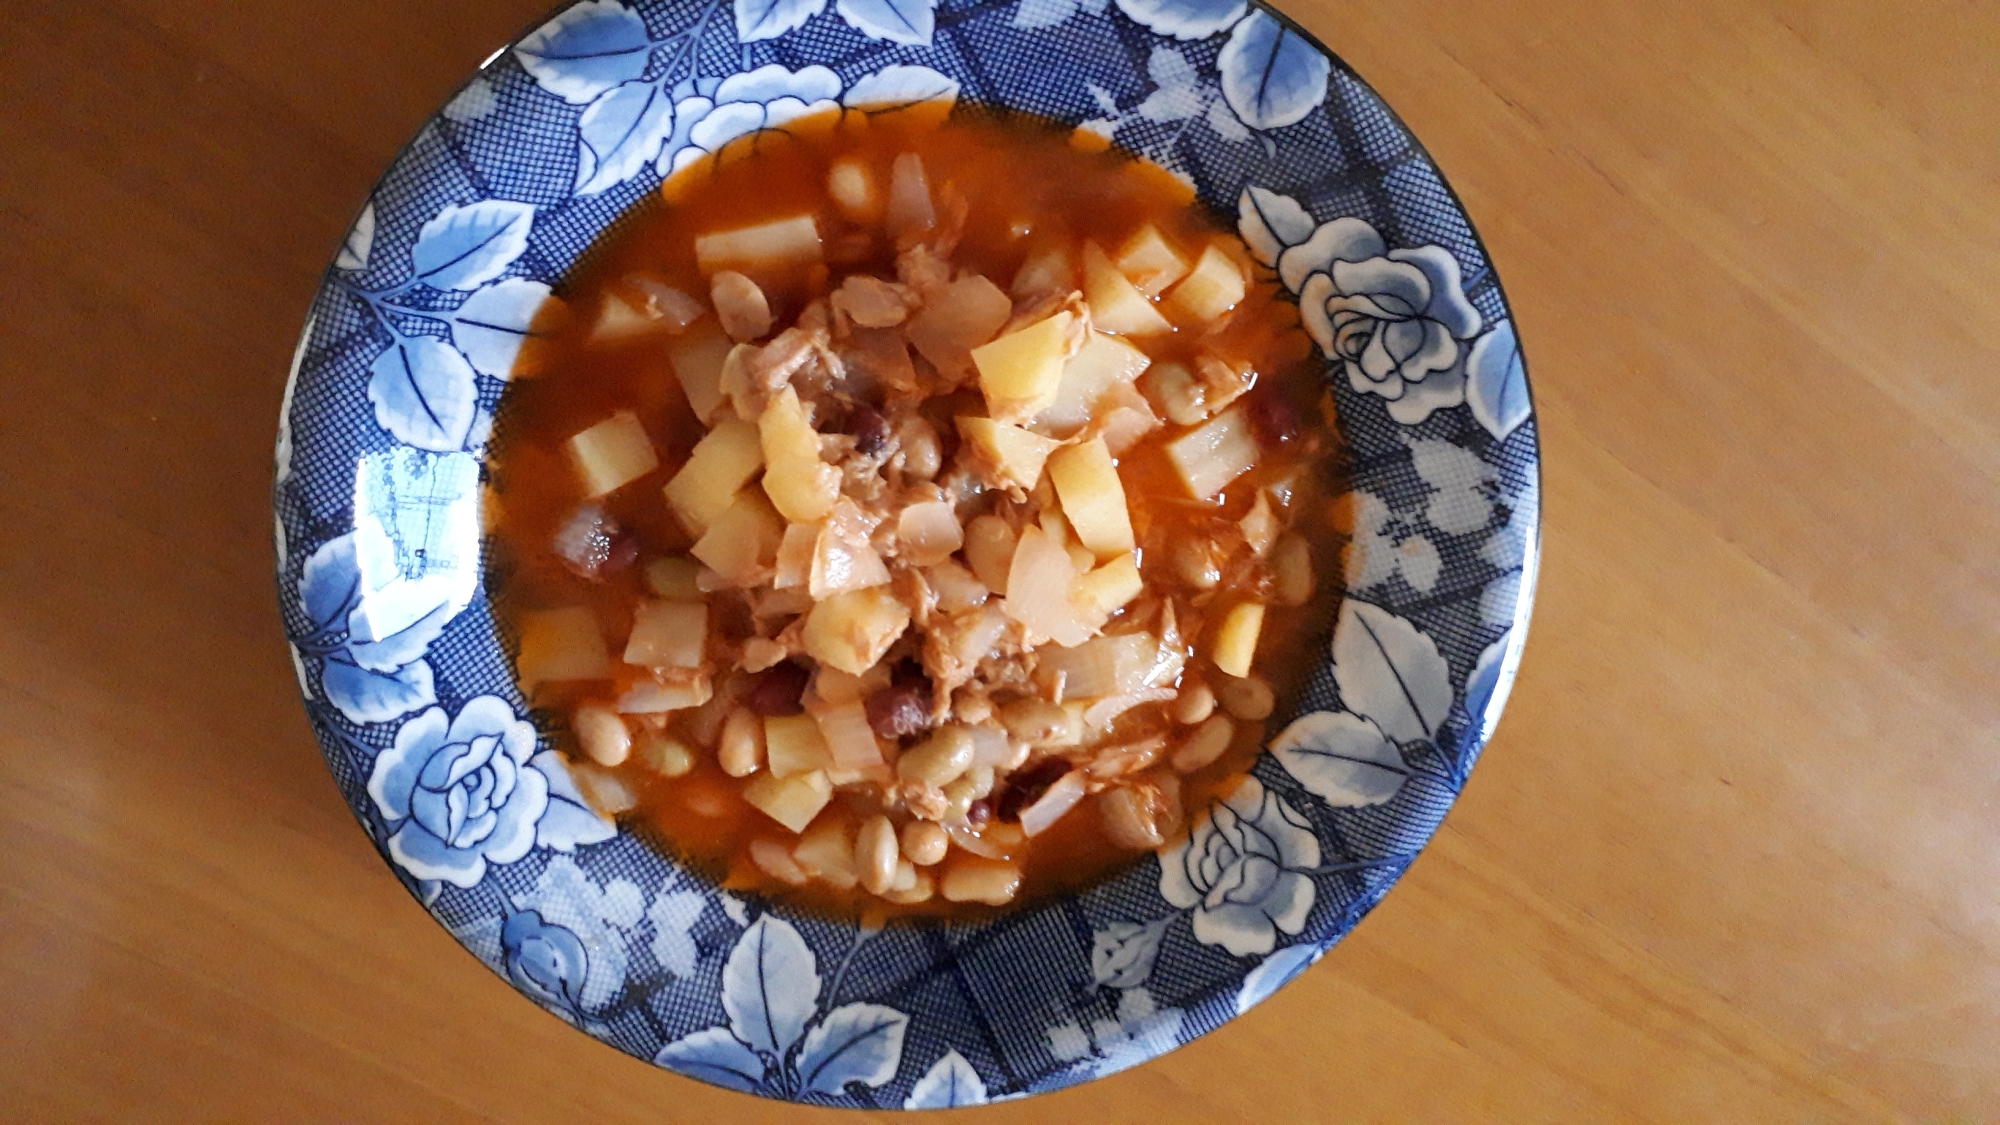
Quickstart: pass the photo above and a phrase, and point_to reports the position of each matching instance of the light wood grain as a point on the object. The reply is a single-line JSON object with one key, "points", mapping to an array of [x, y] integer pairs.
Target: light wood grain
{"points": [[1731, 857]]}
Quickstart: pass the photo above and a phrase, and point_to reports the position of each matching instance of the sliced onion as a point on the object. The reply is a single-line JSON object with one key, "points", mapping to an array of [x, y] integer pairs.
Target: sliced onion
{"points": [[1040, 590], [849, 738], [1101, 713], [1053, 803], [975, 843], [928, 533]]}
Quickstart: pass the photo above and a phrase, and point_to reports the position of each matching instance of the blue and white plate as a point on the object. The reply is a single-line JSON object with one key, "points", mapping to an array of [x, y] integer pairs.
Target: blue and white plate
{"points": [[388, 412]]}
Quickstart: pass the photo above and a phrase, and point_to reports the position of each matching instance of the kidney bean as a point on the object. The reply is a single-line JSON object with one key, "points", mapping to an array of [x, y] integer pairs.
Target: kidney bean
{"points": [[777, 690]]}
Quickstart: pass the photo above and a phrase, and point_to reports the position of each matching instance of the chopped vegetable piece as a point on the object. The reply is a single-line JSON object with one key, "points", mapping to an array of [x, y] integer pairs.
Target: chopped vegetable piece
{"points": [[794, 745], [1150, 262], [957, 320], [1015, 455], [910, 209], [1173, 389], [1103, 363], [654, 697], [697, 357], [801, 485], [673, 577], [766, 247], [1215, 287], [851, 631], [1021, 372], [1049, 269], [1236, 641], [561, 644], [791, 801], [1093, 498], [1111, 587], [1055, 801], [723, 462], [795, 555], [742, 544], [928, 533], [1116, 305], [1208, 458], [612, 453], [850, 739], [826, 852], [740, 306], [668, 634], [1041, 590], [1100, 666], [843, 558]]}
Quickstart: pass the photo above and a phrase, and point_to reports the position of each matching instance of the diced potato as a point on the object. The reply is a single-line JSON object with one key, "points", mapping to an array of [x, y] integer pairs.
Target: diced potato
{"points": [[1021, 372], [1103, 363], [618, 320], [843, 556], [1150, 262], [851, 631], [852, 185], [613, 453], [723, 462], [654, 697], [1259, 526], [742, 544], [1174, 390], [1016, 454], [640, 305], [791, 801], [1111, 587], [793, 745], [668, 634], [1208, 458], [1116, 305], [780, 244], [910, 209], [958, 319], [697, 356], [561, 644], [1093, 498], [673, 577], [795, 555], [1236, 640], [1049, 269], [1123, 418], [1215, 287], [801, 485], [826, 851]]}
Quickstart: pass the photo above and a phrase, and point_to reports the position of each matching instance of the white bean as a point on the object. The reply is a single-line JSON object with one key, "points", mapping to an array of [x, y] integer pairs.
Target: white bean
{"points": [[1205, 745], [921, 888], [925, 843], [666, 755], [1249, 698], [741, 752], [972, 879], [601, 733], [938, 760], [1196, 702], [876, 853], [1292, 567]]}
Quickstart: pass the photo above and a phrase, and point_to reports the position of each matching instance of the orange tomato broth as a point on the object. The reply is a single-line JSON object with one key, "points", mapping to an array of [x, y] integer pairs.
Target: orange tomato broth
{"points": [[1018, 174]]}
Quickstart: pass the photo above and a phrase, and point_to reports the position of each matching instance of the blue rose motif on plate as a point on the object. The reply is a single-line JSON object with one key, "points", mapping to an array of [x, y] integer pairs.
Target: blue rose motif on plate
{"points": [[461, 791]]}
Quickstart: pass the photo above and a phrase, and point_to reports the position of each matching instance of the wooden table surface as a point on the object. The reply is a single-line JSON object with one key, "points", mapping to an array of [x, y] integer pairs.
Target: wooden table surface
{"points": [[1732, 856]]}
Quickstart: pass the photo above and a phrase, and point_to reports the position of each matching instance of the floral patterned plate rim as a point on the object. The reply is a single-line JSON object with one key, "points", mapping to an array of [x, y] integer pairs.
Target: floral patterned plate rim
{"points": [[407, 683]]}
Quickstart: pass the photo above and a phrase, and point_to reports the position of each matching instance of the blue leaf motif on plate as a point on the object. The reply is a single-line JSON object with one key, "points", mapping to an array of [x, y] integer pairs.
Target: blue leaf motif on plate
{"points": [[620, 133], [1184, 19], [854, 1043], [1271, 223], [714, 1056], [769, 986], [1496, 381], [1270, 74], [1273, 973], [1122, 954], [950, 1082], [897, 21], [492, 324], [1389, 672], [545, 961], [360, 242], [400, 647], [1032, 14], [1484, 691], [330, 583], [569, 821], [425, 393], [1177, 93], [464, 247], [586, 49], [375, 697], [1343, 759], [768, 19], [896, 88]]}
